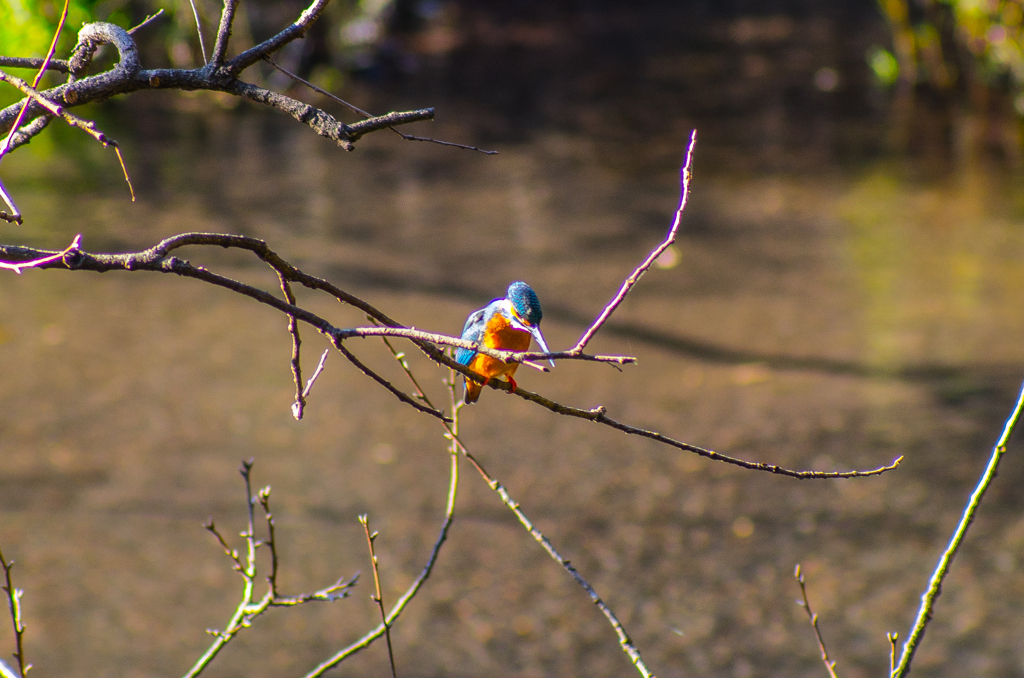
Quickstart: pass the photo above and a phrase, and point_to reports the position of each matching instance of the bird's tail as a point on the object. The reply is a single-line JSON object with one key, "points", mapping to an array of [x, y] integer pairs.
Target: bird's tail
{"points": [[472, 391]]}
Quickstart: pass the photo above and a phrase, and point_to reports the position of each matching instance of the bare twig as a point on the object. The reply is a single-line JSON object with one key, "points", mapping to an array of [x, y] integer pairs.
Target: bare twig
{"points": [[146, 21], [924, 613], [296, 411], [830, 665], [15, 214], [59, 65], [892, 638], [263, 497], [410, 593], [35, 83], [14, 604], [293, 329], [296, 30], [199, 29], [87, 125], [379, 597], [628, 283], [17, 267], [227, 18], [356, 109], [624, 641]]}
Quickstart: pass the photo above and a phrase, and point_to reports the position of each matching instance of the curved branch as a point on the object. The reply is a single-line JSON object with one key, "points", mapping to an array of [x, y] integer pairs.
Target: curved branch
{"points": [[128, 76]]}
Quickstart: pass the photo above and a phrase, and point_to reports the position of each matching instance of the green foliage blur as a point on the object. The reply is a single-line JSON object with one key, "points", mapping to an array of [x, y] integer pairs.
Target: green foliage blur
{"points": [[29, 25], [991, 31], [952, 43]]}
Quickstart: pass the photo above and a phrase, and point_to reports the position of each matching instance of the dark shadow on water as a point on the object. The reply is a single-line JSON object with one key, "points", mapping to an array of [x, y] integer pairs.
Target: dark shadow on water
{"points": [[681, 345]]}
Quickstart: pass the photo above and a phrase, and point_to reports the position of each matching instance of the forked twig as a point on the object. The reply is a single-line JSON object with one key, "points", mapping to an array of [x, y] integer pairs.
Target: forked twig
{"points": [[830, 665], [88, 126], [296, 411], [378, 597], [924, 613], [249, 608], [296, 363]]}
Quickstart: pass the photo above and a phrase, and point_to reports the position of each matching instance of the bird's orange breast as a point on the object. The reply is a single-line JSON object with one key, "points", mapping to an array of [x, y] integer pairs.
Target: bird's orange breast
{"points": [[501, 335]]}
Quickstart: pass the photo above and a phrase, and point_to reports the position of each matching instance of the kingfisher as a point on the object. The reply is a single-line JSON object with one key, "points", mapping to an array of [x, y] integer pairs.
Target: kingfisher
{"points": [[507, 324]]}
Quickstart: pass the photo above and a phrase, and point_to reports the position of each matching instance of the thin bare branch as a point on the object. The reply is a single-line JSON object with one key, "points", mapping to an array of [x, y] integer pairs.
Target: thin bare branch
{"points": [[41, 262], [830, 665], [307, 83], [379, 597], [296, 30], [35, 83], [293, 329], [263, 497], [86, 125], [356, 109], [14, 605], [410, 593], [146, 21], [299, 404], [59, 65], [14, 215], [199, 30], [628, 283], [931, 594]]}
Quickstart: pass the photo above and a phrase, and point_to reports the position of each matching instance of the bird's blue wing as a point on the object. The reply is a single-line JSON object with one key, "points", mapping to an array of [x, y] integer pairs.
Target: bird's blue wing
{"points": [[473, 331]]}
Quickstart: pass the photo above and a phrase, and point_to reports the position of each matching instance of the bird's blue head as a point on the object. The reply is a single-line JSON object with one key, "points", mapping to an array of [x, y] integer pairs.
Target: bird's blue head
{"points": [[525, 302]]}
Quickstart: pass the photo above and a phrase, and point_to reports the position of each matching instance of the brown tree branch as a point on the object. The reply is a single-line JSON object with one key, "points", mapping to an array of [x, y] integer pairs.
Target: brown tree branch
{"points": [[157, 258], [296, 30], [227, 18], [670, 238], [128, 76]]}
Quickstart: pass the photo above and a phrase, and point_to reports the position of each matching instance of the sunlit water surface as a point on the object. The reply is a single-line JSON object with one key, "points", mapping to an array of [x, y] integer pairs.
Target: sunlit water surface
{"points": [[828, 316]]}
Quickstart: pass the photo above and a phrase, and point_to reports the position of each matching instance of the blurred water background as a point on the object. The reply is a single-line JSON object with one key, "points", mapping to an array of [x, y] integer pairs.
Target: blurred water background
{"points": [[846, 289]]}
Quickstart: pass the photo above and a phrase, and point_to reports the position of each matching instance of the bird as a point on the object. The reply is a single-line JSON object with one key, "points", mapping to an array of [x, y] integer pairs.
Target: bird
{"points": [[507, 324]]}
